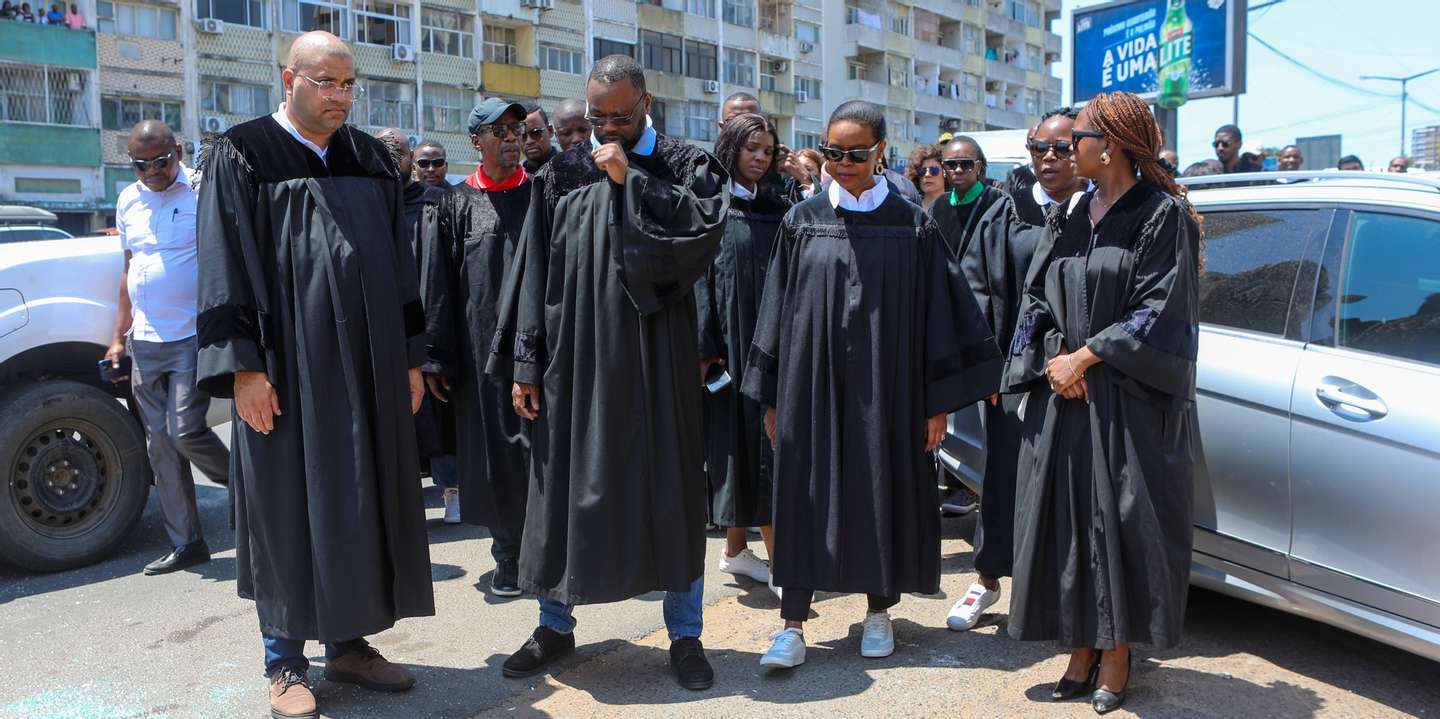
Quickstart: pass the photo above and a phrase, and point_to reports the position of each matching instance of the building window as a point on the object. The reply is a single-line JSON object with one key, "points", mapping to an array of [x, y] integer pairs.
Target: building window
{"points": [[806, 140], [701, 60], [703, 8], [235, 12], [900, 126], [501, 45], [234, 99], [970, 92], [139, 20], [1023, 11], [740, 12], [856, 71], [808, 85], [447, 33], [864, 15], [702, 122], [805, 32], [740, 67], [1034, 61], [606, 48], [899, 75], [767, 81], [662, 52], [307, 15], [899, 20], [382, 23], [970, 41], [1032, 102], [447, 109], [657, 116], [123, 113], [387, 104], [44, 94], [562, 59]]}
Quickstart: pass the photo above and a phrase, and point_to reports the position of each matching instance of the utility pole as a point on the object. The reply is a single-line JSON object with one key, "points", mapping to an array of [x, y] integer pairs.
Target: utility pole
{"points": [[1404, 95]]}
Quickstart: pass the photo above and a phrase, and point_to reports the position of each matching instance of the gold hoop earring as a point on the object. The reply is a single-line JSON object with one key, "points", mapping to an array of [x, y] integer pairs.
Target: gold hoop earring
{"points": [[1104, 158]]}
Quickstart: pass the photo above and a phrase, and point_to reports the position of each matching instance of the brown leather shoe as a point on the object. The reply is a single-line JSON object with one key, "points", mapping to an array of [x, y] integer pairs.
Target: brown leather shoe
{"points": [[365, 666], [290, 696]]}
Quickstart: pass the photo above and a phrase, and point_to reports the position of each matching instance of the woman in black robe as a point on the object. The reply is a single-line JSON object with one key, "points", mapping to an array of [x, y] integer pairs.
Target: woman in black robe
{"points": [[1051, 147], [868, 337], [1103, 502], [970, 198], [737, 453]]}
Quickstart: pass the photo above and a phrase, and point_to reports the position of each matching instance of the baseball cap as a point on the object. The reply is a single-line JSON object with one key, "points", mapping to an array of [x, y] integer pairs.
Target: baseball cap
{"points": [[490, 110]]}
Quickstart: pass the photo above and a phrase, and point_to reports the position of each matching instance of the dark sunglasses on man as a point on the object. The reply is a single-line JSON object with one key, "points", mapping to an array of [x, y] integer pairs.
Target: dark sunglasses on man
{"points": [[857, 155], [502, 130], [1062, 148], [1220, 143], [429, 164], [963, 164], [535, 133], [158, 163]]}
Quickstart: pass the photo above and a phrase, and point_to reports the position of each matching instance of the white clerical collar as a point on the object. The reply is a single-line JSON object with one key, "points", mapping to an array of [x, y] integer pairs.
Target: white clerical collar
{"points": [[644, 147], [868, 201], [1043, 198], [284, 121], [738, 190]]}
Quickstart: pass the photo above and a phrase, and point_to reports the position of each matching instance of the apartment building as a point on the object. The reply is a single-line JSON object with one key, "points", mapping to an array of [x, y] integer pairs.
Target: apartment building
{"points": [[68, 97], [1425, 148]]}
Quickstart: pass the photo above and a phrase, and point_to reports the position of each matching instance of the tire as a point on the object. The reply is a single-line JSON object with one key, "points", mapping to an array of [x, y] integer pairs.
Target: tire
{"points": [[73, 475]]}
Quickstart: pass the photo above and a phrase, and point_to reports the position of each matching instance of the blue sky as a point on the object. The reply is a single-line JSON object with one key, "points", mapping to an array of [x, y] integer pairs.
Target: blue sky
{"points": [[1340, 38]]}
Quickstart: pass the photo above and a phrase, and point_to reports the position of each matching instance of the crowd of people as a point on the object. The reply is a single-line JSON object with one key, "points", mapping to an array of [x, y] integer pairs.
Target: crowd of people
{"points": [[602, 345], [56, 15], [1233, 154]]}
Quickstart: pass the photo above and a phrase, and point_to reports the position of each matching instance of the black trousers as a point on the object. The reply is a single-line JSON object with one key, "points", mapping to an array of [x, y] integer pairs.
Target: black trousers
{"points": [[795, 603], [995, 532]]}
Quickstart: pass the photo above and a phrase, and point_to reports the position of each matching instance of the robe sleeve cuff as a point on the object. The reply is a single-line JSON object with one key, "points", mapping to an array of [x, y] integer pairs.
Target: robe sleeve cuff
{"points": [[1124, 353], [217, 363], [961, 384], [1027, 363], [760, 377], [415, 351]]}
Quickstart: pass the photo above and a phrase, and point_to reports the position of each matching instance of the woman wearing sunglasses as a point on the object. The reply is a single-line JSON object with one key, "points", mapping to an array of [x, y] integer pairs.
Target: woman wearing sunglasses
{"points": [[970, 196], [868, 336], [924, 171], [1105, 350], [1052, 149], [737, 453]]}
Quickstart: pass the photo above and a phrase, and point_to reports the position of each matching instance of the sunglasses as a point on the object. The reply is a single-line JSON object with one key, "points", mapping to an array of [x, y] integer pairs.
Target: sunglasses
{"points": [[599, 121], [501, 131], [1078, 135], [1219, 144], [857, 155], [429, 164], [1062, 148], [931, 170], [157, 163], [535, 133], [957, 163]]}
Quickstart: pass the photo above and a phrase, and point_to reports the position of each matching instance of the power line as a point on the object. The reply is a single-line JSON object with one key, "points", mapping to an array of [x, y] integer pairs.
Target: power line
{"points": [[1334, 80]]}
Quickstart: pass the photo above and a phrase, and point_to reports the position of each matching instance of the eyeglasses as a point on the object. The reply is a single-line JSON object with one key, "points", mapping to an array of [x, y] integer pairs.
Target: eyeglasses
{"points": [[501, 130], [930, 170], [857, 155], [1078, 135], [158, 163], [963, 164], [1062, 148], [600, 121], [428, 164], [1220, 143], [535, 133], [330, 88]]}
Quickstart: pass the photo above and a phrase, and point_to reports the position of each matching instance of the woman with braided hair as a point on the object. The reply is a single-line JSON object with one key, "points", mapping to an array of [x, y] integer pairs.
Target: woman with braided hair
{"points": [[1104, 351]]}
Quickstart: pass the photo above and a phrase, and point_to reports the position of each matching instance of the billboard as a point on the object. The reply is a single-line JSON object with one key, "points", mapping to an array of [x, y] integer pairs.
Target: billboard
{"points": [[1165, 51]]}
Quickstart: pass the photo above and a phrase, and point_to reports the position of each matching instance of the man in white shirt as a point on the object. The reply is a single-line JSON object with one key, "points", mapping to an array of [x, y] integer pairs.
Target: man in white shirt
{"points": [[155, 217]]}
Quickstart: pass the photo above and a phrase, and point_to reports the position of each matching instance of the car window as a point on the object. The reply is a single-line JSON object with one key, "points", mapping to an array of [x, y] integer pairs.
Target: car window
{"points": [[17, 234], [52, 233], [1390, 291], [1251, 260]]}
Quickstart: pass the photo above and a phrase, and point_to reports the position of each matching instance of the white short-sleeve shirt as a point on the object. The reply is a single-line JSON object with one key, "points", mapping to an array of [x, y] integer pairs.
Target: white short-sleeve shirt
{"points": [[158, 229]]}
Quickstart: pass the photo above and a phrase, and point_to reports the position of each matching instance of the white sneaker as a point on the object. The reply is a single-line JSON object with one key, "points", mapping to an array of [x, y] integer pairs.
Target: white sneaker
{"points": [[777, 591], [452, 505], [788, 649], [966, 612], [879, 637], [746, 564]]}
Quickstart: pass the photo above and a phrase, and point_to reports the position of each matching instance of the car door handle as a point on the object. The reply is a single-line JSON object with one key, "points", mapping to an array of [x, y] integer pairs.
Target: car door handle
{"points": [[1350, 400]]}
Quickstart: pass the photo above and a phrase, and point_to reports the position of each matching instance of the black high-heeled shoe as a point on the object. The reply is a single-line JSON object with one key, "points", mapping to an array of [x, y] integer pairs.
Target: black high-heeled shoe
{"points": [[1104, 701], [1067, 689]]}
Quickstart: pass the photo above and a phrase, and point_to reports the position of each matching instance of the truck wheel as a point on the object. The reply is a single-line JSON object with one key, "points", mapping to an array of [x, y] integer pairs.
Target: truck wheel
{"points": [[75, 475]]}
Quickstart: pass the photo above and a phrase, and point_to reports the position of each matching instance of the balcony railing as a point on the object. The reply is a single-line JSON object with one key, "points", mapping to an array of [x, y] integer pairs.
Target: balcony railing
{"points": [[45, 94]]}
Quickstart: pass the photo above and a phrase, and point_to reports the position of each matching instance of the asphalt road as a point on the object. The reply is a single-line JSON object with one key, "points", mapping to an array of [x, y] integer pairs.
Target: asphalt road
{"points": [[107, 642]]}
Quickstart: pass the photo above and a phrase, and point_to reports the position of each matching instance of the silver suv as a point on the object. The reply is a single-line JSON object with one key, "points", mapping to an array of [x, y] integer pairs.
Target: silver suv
{"points": [[1319, 400]]}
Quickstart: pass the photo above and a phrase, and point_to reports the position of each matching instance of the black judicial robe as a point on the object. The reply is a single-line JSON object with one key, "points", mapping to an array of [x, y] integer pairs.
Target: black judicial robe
{"points": [[435, 422], [1104, 495], [599, 310], [471, 239], [867, 329], [306, 274], [957, 222], [737, 453]]}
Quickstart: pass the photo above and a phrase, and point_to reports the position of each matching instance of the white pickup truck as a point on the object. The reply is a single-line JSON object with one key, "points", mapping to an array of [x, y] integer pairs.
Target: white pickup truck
{"points": [[74, 476]]}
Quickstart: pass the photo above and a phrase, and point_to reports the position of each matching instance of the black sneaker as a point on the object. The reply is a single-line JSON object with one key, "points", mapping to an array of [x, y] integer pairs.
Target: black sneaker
{"points": [[504, 582], [692, 669], [960, 502], [541, 650]]}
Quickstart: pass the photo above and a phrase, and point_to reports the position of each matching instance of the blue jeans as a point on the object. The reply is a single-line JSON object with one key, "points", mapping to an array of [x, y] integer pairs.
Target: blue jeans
{"points": [[281, 653], [682, 613], [444, 472]]}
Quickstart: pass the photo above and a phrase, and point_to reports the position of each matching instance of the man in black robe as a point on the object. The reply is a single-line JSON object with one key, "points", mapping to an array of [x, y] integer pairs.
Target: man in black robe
{"points": [[597, 330], [536, 137], [310, 319], [469, 242]]}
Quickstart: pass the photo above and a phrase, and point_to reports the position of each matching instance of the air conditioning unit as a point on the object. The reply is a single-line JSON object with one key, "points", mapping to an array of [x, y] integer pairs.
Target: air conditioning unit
{"points": [[414, 141], [807, 47], [400, 52], [802, 96], [212, 124], [780, 66], [712, 87], [210, 25]]}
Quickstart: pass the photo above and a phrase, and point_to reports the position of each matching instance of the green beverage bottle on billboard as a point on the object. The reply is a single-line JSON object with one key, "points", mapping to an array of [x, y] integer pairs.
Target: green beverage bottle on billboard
{"points": [[1176, 42]]}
